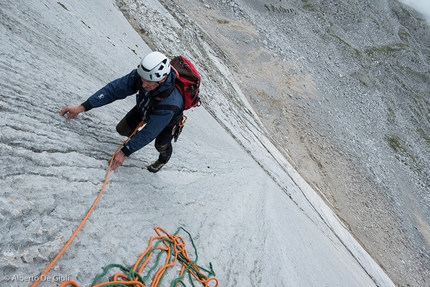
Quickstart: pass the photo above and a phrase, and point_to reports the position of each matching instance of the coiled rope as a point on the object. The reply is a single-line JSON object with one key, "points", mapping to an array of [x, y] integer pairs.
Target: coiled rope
{"points": [[173, 249]]}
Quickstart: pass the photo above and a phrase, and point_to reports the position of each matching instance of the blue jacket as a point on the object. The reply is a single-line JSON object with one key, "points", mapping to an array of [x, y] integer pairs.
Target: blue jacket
{"points": [[156, 121]]}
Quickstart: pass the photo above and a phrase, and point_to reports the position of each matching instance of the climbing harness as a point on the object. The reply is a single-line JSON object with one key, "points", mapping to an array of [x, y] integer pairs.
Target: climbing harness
{"points": [[173, 245], [177, 129]]}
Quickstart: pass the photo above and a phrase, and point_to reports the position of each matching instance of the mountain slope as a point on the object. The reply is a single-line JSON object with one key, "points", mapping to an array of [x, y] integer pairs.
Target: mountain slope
{"points": [[341, 88], [256, 229]]}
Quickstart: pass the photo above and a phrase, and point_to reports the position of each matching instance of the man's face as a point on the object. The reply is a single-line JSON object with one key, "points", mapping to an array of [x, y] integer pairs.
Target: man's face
{"points": [[149, 86]]}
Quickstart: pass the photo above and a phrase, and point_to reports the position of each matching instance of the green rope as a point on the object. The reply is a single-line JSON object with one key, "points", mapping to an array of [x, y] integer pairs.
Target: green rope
{"points": [[191, 267], [131, 275]]}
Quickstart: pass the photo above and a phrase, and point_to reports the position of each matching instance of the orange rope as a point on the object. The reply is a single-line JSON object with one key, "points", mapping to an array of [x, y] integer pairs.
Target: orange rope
{"points": [[175, 248], [43, 274]]}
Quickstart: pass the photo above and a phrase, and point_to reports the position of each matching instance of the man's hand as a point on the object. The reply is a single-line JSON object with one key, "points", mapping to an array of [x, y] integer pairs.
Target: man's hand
{"points": [[73, 111], [117, 160]]}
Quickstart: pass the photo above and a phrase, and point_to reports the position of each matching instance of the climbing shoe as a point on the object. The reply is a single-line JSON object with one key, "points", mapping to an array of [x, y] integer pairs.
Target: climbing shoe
{"points": [[155, 166]]}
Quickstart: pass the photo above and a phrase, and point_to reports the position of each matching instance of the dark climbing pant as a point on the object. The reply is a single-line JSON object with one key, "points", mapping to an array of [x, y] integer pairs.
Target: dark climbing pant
{"points": [[163, 142]]}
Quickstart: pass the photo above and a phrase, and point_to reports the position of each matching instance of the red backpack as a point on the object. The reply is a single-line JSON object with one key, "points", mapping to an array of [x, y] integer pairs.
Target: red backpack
{"points": [[188, 84], [187, 81]]}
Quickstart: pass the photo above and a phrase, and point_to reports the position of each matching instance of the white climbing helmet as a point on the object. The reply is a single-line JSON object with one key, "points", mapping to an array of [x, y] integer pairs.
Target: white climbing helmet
{"points": [[154, 67]]}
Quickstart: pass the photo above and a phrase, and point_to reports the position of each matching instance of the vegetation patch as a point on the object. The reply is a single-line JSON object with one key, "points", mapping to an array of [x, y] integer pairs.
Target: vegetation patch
{"points": [[391, 115], [279, 9], [310, 6], [394, 143], [404, 153]]}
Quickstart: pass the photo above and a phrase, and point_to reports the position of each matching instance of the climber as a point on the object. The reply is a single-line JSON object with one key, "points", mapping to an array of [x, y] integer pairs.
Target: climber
{"points": [[152, 77]]}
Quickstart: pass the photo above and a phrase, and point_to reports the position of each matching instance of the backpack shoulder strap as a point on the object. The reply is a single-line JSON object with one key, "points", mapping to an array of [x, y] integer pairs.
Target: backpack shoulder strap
{"points": [[160, 97]]}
